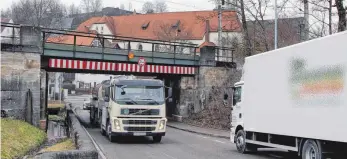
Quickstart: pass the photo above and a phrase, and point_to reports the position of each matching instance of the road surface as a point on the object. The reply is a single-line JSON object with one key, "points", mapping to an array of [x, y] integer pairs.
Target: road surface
{"points": [[176, 144]]}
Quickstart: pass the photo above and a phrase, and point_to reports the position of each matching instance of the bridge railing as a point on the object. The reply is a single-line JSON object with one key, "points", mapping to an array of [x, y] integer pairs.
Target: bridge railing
{"points": [[73, 44], [109, 47]]}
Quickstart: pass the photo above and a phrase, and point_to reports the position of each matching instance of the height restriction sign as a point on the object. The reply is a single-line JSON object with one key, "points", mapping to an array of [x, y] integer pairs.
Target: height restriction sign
{"points": [[142, 61]]}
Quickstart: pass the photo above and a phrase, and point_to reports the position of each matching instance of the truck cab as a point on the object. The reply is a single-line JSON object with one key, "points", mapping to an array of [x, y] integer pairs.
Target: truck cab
{"points": [[236, 113], [134, 107]]}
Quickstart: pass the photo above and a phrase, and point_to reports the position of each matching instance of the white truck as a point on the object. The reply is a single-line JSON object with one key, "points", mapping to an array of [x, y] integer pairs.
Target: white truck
{"points": [[131, 107], [294, 98]]}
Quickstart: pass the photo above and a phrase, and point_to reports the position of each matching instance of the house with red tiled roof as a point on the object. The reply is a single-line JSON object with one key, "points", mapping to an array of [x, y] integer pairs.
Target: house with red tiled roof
{"points": [[195, 27]]}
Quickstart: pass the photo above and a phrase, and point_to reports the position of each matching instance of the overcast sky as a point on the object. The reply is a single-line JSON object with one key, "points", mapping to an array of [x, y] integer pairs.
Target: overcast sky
{"points": [[173, 5]]}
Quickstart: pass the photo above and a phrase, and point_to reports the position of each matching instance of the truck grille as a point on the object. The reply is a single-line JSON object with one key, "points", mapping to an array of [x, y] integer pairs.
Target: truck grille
{"points": [[128, 128], [140, 112], [140, 122]]}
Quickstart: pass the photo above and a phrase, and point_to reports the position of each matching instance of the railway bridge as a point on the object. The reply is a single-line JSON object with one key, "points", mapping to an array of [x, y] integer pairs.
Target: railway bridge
{"points": [[31, 52]]}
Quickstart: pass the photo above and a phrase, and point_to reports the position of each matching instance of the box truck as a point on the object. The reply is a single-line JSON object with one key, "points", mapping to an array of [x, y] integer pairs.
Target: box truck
{"points": [[126, 106], [294, 98]]}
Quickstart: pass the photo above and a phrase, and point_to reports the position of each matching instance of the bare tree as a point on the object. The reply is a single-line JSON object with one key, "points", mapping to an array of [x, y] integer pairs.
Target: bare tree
{"points": [[245, 29], [160, 6], [168, 32], [341, 10], [122, 6], [92, 6], [6, 13], [157, 6], [148, 7], [37, 12], [73, 10]]}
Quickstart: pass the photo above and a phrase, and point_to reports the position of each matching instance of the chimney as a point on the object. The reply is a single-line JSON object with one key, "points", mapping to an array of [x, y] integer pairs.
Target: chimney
{"points": [[207, 31]]}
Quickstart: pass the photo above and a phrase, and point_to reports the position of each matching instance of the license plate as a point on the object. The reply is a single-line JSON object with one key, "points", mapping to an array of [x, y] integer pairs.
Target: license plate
{"points": [[139, 134]]}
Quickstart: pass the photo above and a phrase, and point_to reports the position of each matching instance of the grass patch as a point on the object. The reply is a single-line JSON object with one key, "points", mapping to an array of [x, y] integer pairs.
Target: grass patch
{"points": [[61, 146], [56, 104], [55, 118], [18, 138]]}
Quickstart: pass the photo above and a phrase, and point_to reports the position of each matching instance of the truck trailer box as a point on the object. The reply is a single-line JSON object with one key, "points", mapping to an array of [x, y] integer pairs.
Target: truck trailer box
{"points": [[299, 91]]}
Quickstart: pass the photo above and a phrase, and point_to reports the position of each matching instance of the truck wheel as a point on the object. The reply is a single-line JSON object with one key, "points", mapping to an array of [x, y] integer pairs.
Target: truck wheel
{"points": [[311, 150], [241, 144], [157, 139], [109, 132]]}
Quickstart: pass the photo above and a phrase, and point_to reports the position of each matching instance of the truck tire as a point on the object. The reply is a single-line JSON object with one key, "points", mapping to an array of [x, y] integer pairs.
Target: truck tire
{"points": [[241, 145], [157, 139], [311, 150], [109, 132]]}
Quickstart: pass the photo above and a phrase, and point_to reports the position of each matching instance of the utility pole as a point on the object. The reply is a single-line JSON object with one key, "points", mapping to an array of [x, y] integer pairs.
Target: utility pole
{"points": [[276, 24], [306, 19], [220, 3], [220, 22]]}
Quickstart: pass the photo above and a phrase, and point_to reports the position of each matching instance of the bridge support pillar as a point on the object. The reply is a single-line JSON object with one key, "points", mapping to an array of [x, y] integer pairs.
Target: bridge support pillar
{"points": [[20, 77], [205, 91]]}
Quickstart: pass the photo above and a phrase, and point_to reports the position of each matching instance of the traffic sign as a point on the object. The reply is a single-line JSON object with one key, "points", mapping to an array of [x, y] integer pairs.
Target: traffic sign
{"points": [[142, 61]]}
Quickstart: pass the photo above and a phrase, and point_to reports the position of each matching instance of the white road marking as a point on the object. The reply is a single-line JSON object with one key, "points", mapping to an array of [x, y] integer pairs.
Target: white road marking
{"points": [[209, 138], [169, 156], [219, 141]]}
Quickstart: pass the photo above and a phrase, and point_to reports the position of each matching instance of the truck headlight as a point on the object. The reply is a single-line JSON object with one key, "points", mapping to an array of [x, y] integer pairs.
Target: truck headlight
{"points": [[162, 125], [116, 124]]}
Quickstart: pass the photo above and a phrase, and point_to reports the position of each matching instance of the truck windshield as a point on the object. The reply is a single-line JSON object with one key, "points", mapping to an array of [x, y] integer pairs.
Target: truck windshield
{"points": [[236, 95], [139, 95]]}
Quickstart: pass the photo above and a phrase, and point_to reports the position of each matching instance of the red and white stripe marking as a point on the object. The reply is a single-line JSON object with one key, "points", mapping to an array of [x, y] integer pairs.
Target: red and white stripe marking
{"points": [[118, 67]]}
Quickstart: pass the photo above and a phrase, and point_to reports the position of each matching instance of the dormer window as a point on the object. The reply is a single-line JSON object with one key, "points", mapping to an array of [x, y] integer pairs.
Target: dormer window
{"points": [[176, 25], [145, 25]]}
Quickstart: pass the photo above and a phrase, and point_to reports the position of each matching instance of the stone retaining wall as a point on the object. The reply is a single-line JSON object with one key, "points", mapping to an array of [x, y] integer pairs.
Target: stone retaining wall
{"points": [[85, 146], [20, 72]]}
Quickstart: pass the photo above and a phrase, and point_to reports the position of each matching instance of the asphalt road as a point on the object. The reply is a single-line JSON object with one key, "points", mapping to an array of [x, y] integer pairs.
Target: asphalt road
{"points": [[176, 144]]}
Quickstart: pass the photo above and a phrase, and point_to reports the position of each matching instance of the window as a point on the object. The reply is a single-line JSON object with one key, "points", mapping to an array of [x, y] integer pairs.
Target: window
{"points": [[145, 25], [102, 28], [139, 47], [96, 43], [97, 29], [156, 48], [174, 26], [142, 95], [237, 95]]}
